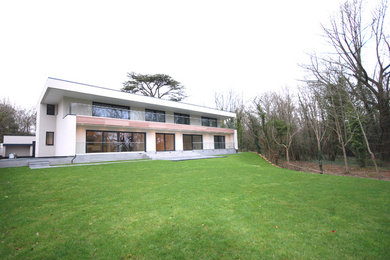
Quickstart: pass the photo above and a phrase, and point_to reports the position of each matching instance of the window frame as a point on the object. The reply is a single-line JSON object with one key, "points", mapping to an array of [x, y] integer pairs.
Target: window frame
{"points": [[219, 142], [178, 116], [118, 140], [96, 105], [51, 107], [192, 142], [156, 114], [165, 147], [208, 120], [47, 135]]}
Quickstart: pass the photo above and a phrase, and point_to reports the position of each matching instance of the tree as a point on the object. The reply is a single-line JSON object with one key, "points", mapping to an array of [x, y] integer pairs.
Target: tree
{"points": [[355, 43], [232, 102], [26, 120], [157, 85], [15, 121], [284, 122], [339, 111], [8, 124], [313, 112]]}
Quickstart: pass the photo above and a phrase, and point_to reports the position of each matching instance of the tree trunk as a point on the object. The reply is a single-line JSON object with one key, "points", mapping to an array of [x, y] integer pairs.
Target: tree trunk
{"points": [[319, 156], [345, 158], [384, 123], [287, 155]]}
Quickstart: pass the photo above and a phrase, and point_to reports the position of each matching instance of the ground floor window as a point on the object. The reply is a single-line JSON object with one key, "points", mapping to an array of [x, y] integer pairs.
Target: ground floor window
{"points": [[219, 142], [113, 141], [165, 142], [49, 138], [192, 142]]}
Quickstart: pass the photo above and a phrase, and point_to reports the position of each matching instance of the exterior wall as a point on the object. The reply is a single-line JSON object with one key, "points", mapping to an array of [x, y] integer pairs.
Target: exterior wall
{"points": [[64, 128], [18, 139], [208, 141], [2, 150], [45, 123], [178, 141], [150, 141], [65, 136]]}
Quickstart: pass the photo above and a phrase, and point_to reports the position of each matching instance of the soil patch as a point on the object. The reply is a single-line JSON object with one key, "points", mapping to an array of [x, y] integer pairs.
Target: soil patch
{"points": [[336, 169]]}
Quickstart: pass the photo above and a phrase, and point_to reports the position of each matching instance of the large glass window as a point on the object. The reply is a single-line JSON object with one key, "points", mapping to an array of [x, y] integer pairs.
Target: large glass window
{"points": [[192, 142], [139, 142], [182, 119], [154, 115], [207, 121], [110, 141], [110, 110], [94, 142], [219, 142], [187, 142]]}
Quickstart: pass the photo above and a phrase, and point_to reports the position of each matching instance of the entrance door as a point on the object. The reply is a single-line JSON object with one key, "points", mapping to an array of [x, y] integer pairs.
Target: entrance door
{"points": [[165, 142]]}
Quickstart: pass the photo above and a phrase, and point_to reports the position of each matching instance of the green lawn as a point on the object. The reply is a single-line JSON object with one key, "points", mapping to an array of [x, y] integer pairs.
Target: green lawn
{"points": [[236, 207]]}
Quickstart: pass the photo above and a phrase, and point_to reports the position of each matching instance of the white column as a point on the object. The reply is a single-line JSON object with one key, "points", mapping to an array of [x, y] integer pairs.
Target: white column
{"points": [[235, 140]]}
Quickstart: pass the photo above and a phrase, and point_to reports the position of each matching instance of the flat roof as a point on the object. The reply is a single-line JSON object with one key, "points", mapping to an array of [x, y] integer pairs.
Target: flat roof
{"points": [[55, 89]]}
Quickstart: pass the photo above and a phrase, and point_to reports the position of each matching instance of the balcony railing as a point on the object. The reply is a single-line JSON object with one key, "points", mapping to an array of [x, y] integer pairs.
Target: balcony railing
{"points": [[112, 112]]}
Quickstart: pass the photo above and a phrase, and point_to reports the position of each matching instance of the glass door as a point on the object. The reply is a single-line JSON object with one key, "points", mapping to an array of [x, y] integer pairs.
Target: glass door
{"points": [[165, 142]]}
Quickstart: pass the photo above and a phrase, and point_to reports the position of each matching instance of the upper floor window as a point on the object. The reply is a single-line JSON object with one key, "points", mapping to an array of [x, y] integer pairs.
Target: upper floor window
{"points": [[182, 119], [154, 115], [50, 109], [110, 110], [207, 121]]}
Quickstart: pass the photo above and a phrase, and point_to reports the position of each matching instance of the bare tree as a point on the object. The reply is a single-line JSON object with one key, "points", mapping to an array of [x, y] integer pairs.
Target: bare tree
{"points": [[232, 102], [229, 101], [354, 43], [313, 111], [359, 120], [284, 123]]}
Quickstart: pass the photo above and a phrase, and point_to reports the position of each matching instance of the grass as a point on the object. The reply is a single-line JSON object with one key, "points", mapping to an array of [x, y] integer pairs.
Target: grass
{"points": [[237, 207]]}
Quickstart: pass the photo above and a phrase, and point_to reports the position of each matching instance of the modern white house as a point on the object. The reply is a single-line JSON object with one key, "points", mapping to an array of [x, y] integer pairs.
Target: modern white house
{"points": [[75, 119]]}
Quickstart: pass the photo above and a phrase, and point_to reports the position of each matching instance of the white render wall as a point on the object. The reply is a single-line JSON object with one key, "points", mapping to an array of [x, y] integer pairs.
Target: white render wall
{"points": [[65, 136], [45, 123], [64, 128], [18, 139]]}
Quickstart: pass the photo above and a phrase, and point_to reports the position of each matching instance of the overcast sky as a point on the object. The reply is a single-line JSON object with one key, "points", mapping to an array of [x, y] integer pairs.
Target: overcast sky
{"points": [[209, 46]]}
